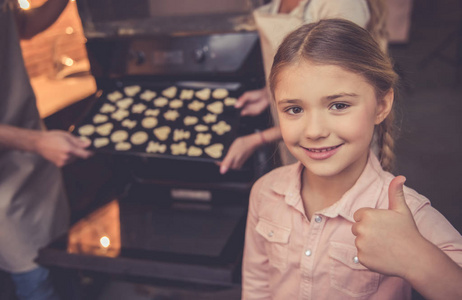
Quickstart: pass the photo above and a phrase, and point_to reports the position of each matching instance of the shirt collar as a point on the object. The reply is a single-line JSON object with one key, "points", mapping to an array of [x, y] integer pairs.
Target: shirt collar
{"points": [[364, 193]]}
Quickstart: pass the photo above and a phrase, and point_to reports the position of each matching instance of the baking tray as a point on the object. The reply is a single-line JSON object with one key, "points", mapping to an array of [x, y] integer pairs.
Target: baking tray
{"points": [[181, 120]]}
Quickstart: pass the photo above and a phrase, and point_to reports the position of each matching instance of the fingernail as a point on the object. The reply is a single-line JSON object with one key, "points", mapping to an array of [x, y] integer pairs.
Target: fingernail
{"points": [[223, 169]]}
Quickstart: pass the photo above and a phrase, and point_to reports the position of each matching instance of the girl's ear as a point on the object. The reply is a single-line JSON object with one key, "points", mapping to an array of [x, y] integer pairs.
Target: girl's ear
{"points": [[384, 106]]}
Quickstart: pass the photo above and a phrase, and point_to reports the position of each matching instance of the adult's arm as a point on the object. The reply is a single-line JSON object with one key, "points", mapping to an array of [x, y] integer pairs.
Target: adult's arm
{"points": [[33, 21]]}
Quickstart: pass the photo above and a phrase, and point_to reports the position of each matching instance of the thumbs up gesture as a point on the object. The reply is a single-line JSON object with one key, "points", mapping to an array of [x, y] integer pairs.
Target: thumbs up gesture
{"points": [[387, 239]]}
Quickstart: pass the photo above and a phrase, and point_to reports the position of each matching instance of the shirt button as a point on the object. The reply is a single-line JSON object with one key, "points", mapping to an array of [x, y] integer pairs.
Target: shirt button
{"points": [[308, 252], [355, 259], [318, 219], [271, 233]]}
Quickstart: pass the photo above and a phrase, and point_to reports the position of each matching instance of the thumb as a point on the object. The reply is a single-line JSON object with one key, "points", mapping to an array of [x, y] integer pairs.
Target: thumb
{"points": [[396, 200]]}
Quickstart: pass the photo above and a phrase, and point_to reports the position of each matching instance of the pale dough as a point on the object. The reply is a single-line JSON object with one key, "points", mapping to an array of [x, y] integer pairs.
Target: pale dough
{"points": [[104, 129], [194, 151], [138, 108], [215, 151], [171, 115], [107, 108], [114, 96], [120, 114], [201, 128], [221, 127], [209, 118], [230, 101], [139, 138], [123, 146], [152, 112], [180, 134], [187, 94], [196, 105], [161, 102], [148, 95], [149, 122], [129, 123], [216, 107], [203, 139], [100, 142], [132, 90], [176, 103], [190, 120], [162, 132], [100, 118], [87, 130], [124, 103], [119, 136], [178, 149], [220, 93], [155, 147], [203, 94], [170, 92]]}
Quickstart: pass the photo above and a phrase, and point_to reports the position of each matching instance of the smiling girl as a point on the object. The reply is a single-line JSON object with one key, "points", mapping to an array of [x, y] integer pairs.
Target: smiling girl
{"points": [[337, 224]]}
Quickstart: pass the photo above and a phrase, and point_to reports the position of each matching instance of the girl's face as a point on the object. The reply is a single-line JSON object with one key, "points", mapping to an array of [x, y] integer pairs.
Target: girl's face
{"points": [[327, 117]]}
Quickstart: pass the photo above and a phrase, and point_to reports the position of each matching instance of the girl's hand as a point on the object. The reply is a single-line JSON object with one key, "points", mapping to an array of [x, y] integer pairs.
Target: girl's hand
{"points": [[253, 102], [239, 151], [388, 240], [61, 147]]}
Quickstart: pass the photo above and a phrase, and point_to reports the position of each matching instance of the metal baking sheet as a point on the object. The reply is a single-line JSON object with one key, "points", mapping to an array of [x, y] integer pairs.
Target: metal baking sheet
{"points": [[181, 120]]}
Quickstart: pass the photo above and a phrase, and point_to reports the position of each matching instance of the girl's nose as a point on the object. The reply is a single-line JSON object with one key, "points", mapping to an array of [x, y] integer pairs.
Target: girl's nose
{"points": [[316, 127]]}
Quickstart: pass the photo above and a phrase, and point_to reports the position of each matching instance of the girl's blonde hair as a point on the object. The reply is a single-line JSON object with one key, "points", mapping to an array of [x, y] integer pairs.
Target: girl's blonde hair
{"points": [[347, 45]]}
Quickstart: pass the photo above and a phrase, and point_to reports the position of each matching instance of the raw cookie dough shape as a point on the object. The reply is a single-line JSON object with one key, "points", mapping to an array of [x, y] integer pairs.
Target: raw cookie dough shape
{"points": [[220, 93], [139, 138], [129, 123], [104, 129], [169, 92], [123, 146], [107, 108], [120, 114], [230, 101], [100, 142], [196, 105], [216, 107], [98, 118], [114, 96], [161, 102], [209, 118], [180, 134], [203, 94], [187, 94], [152, 112], [176, 103], [201, 128], [119, 136], [162, 132], [203, 138], [215, 150], [221, 127], [171, 115], [138, 108], [124, 103], [149, 122], [87, 130], [178, 149], [194, 151], [148, 95], [190, 120], [155, 147], [132, 90]]}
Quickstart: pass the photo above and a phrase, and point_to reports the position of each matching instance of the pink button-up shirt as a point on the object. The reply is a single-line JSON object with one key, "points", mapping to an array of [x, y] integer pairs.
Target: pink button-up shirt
{"points": [[288, 257]]}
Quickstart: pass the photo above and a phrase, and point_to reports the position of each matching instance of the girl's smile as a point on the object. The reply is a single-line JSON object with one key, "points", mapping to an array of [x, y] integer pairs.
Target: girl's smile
{"points": [[327, 117]]}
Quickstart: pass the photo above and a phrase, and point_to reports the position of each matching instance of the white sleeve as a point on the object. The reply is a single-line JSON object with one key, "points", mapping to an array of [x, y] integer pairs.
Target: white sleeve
{"points": [[356, 11]]}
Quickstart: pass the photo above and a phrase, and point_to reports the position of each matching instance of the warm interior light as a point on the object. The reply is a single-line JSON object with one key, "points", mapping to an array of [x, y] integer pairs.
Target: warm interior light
{"points": [[24, 4], [105, 242]]}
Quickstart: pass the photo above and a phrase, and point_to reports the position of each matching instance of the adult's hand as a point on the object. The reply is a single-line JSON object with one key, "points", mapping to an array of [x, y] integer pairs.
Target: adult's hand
{"points": [[253, 102], [61, 147], [241, 149]]}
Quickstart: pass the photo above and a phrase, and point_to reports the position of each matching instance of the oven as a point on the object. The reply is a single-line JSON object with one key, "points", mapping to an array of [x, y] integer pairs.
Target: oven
{"points": [[168, 74]]}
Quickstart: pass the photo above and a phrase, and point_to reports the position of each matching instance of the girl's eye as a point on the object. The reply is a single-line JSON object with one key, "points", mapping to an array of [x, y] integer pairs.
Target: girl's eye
{"points": [[294, 110], [339, 106]]}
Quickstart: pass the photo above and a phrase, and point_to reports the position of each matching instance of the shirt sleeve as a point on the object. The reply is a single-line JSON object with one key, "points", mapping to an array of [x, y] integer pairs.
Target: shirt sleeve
{"points": [[255, 279], [437, 229], [356, 11]]}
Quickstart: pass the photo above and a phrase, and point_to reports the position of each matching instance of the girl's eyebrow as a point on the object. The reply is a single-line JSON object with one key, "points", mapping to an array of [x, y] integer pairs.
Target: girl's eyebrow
{"points": [[333, 97], [289, 101]]}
